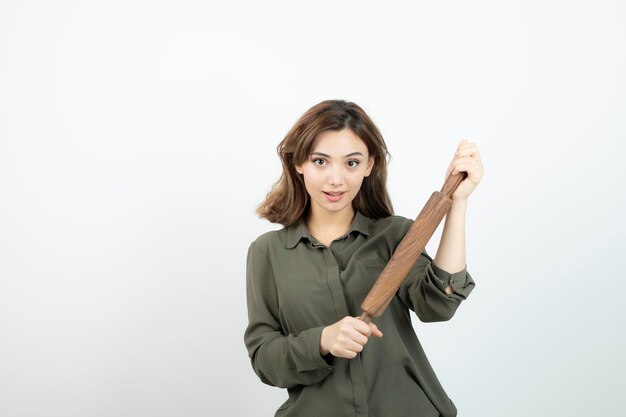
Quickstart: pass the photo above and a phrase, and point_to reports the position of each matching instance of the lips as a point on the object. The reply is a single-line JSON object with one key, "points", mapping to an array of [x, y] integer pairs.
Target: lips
{"points": [[334, 196]]}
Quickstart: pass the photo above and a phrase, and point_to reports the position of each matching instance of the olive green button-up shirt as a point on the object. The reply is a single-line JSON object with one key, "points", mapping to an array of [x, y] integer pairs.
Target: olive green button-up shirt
{"points": [[296, 286]]}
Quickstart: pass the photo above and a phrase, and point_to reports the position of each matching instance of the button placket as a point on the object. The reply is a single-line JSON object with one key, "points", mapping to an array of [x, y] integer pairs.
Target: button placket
{"points": [[356, 371], [334, 283]]}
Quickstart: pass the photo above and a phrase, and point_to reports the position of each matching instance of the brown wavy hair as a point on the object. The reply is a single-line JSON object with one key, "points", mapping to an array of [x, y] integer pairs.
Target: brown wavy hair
{"points": [[288, 199]]}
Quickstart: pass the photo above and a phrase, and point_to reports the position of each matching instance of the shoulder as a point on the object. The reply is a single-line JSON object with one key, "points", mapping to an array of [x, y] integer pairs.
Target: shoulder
{"points": [[268, 242]]}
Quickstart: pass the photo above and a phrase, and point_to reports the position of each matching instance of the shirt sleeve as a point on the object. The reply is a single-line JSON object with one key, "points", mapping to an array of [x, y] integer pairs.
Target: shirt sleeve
{"points": [[424, 290], [279, 359]]}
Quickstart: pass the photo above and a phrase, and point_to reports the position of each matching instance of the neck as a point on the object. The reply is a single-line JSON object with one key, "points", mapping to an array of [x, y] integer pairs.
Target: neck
{"points": [[326, 222]]}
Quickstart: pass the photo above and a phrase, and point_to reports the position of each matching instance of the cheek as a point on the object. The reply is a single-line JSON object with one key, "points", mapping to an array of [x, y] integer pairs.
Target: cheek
{"points": [[311, 181], [356, 182]]}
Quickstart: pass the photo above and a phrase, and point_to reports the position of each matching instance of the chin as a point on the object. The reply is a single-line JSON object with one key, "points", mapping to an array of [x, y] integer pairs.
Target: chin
{"points": [[337, 209]]}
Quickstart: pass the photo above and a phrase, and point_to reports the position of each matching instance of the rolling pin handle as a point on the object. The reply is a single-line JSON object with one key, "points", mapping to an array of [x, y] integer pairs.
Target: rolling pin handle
{"points": [[452, 182], [365, 317]]}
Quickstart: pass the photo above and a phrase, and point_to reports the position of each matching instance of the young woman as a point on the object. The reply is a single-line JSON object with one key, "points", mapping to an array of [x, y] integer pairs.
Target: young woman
{"points": [[306, 281]]}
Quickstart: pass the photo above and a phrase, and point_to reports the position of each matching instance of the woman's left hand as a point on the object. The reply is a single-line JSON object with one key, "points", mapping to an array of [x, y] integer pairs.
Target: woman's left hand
{"points": [[466, 159]]}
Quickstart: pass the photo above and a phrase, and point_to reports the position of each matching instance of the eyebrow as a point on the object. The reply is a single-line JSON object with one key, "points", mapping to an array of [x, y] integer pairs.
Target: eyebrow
{"points": [[328, 156]]}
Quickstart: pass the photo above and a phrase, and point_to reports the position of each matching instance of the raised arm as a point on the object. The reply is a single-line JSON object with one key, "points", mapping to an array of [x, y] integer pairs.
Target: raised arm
{"points": [[450, 255]]}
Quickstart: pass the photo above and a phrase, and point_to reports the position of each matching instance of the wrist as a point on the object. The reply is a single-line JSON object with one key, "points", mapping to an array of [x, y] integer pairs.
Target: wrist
{"points": [[323, 350], [459, 203]]}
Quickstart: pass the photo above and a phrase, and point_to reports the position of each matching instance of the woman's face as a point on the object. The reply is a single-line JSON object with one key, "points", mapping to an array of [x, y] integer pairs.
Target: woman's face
{"points": [[334, 171]]}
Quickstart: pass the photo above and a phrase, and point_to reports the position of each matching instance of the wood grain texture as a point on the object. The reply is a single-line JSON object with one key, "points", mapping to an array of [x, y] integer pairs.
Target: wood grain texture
{"points": [[409, 249]]}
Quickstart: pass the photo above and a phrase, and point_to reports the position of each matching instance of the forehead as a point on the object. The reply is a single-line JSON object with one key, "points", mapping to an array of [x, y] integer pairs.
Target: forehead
{"points": [[340, 142]]}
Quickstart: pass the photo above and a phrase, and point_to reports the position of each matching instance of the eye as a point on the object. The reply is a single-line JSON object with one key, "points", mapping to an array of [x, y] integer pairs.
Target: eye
{"points": [[319, 161], [352, 163]]}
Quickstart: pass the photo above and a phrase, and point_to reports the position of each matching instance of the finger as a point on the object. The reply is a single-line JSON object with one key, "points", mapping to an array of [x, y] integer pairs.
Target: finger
{"points": [[345, 353], [375, 331], [353, 346], [463, 160], [359, 338], [455, 165], [462, 156], [362, 327], [471, 168], [469, 151], [468, 146], [462, 143], [467, 160], [462, 167], [451, 166], [449, 172]]}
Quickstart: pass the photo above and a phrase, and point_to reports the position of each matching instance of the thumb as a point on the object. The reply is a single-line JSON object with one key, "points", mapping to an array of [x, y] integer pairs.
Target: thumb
{"points": [[375, 331]]}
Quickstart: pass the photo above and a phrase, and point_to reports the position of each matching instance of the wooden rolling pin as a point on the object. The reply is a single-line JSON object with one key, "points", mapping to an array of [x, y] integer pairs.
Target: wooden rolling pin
{"points": [[409, 249]]}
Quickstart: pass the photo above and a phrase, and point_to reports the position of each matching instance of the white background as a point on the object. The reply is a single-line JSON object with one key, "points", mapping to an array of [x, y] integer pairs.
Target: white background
{"points": [[137, 137]]}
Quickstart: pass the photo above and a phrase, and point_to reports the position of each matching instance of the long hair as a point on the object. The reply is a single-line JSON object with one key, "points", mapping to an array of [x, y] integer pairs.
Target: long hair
{"points": [[288, 199]]}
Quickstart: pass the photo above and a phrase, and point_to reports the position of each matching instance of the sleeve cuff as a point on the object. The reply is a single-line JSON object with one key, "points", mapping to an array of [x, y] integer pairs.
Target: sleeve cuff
{"points": [[461, 282], [316, 359]]}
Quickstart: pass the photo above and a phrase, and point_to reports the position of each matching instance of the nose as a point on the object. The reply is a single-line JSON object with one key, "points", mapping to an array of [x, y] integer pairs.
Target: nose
{"points": [[336, 176]]}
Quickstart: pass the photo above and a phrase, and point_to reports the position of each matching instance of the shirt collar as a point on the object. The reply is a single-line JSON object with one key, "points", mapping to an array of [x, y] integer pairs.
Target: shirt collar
{"points": [[299, 231]]}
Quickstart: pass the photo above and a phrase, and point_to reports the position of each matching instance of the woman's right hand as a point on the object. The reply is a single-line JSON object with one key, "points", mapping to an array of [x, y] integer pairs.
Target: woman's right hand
{"points": [[347, 337]]}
